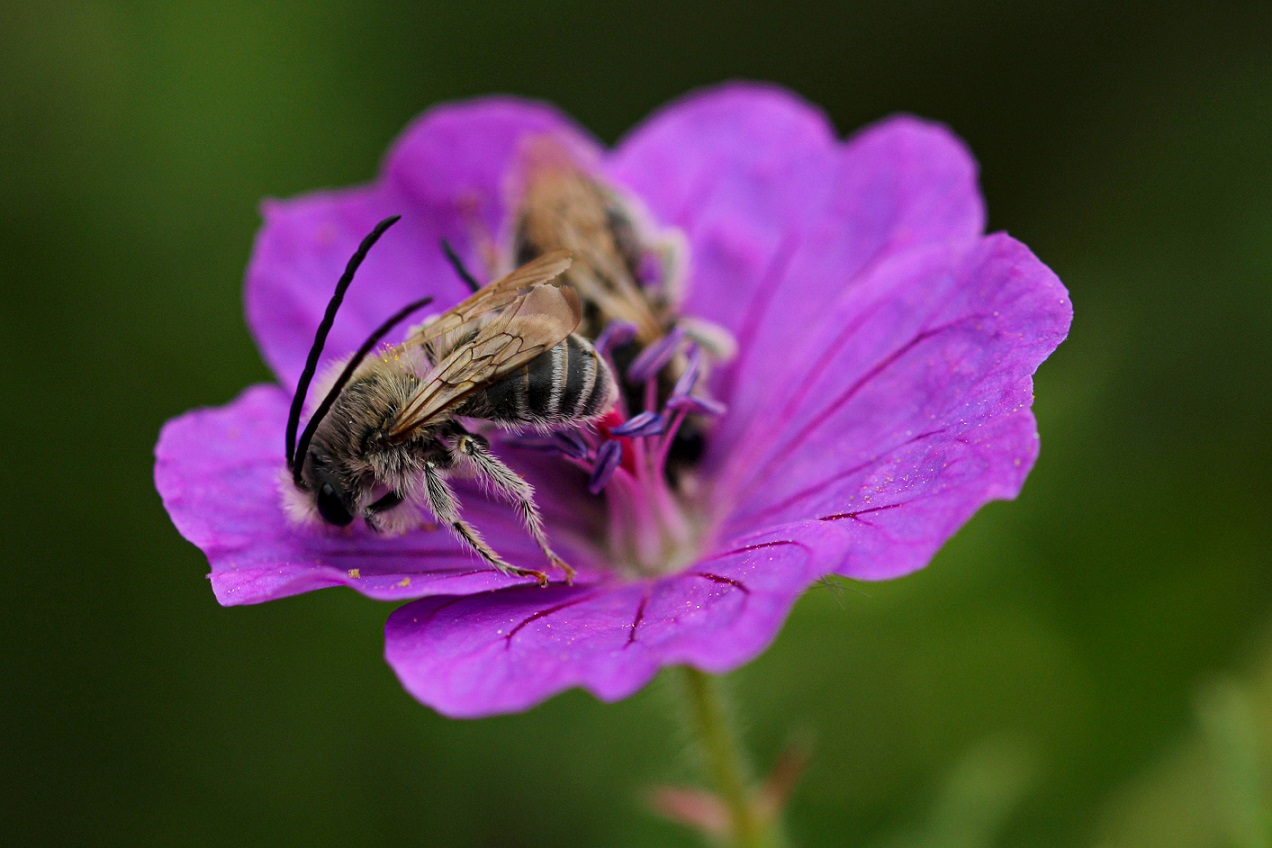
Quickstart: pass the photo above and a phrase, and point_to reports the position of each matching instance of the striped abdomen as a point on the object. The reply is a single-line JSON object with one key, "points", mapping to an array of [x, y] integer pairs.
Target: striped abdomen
{"points": [[569, 383]]}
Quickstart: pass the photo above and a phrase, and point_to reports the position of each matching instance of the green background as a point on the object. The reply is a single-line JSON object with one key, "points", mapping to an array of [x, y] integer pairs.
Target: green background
{"points": [[1088, 666]]}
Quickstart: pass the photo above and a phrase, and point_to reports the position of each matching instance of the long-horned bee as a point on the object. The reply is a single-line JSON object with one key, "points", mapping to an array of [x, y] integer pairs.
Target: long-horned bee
{"points": [[562, 207], [628, 278], [387, 435]]}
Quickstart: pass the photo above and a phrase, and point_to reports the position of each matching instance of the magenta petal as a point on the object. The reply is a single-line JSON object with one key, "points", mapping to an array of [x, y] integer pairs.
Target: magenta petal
{"points": [[899, 184], [458, 158], [737, 168], [445, 176], [300, 253], [506, 651], [766, 196], [217, 472], [907, 411]]}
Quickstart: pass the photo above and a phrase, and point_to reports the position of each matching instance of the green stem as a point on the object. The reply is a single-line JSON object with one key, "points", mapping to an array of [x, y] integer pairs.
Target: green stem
{"points": [[725, 762]]}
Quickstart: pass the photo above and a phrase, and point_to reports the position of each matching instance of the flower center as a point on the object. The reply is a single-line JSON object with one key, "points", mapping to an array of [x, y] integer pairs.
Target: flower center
{"points": [[628, 272], [642, 453], [645, 446], [650, 529]]}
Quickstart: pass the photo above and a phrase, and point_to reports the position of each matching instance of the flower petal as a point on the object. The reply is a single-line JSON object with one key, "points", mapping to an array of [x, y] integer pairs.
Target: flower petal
{"points": [[899, 184], [301, 251], [508, 650], [458, 158], [736, 168], [768, 199], [907, 411], [217, 472], [445, 176]]}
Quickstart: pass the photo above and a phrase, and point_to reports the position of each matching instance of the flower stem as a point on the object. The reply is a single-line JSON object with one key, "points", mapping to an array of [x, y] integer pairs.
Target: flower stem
{"points": [[726, 763]]}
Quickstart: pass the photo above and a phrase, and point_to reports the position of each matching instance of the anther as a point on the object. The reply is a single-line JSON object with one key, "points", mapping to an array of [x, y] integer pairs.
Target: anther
{"points": [[693, 370], [652, 359], [643, 424], [608, 457], [693, 403], [572, 444], [615, 334]]}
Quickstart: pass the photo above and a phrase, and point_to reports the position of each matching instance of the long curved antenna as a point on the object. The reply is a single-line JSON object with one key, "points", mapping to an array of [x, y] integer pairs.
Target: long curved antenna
{"points": [[323, 408], [458, 264], [324, 327]]}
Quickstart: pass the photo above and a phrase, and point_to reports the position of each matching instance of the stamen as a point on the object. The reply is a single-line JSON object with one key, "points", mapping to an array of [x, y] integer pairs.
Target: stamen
{"points": [[615, 334], [692, 372], [572, 445], [644, 424], [694, 403], [664, 450], [652, 359], [608, 457]]}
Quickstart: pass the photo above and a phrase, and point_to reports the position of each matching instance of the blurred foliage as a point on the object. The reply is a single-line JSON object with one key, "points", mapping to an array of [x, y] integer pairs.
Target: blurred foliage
{"points": [[1130, 145], [975, 800], [1213, 787]]}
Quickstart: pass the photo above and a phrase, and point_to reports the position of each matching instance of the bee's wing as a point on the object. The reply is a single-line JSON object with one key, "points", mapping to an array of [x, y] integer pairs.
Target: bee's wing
{"points": [[538, 319], [493, 297]]}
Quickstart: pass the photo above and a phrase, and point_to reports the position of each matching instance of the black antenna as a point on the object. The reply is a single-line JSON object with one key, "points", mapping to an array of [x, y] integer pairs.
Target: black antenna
{"points": [[352, 365], [458, 265], [324, 327]]}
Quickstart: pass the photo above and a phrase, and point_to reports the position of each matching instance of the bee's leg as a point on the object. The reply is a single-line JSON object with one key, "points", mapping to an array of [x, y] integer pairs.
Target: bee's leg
{"points": [[393, 515], [442, 502], [512, 488]]}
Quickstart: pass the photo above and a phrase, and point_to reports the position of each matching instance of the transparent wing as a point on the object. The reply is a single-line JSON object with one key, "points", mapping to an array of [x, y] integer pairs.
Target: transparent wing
{"points": [[491, 298], [536, 320]]}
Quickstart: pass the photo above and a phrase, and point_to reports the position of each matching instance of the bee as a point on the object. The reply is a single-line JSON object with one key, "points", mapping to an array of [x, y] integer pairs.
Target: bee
{"points": [[563, 206], [388, 435]]}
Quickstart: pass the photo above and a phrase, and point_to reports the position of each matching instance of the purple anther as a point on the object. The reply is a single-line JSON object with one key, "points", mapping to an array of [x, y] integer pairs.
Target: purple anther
{"points": [[642, 424], [693, 403], [607, 460], [571, 444], [652, 359], [692, 372], [615, 334]]}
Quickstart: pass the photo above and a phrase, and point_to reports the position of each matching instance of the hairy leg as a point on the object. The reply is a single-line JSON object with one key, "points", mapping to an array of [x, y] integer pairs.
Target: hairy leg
{"points": [[508, 484], [441, 500]]}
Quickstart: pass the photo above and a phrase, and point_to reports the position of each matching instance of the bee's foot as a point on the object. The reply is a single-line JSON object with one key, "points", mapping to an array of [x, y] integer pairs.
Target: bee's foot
{"points": [[565, 568], [539, 576]]}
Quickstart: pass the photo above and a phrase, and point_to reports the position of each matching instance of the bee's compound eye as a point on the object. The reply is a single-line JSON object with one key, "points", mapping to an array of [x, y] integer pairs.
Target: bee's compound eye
{"points": [[331, 507]]}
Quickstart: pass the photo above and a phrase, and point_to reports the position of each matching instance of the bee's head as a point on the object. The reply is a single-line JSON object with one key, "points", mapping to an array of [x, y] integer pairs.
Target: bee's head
{"points": [[318, 494], [314, 476], [335, 503]]}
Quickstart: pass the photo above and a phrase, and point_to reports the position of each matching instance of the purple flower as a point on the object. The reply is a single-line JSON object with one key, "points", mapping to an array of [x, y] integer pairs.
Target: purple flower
{"points": [[879, 395]]}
